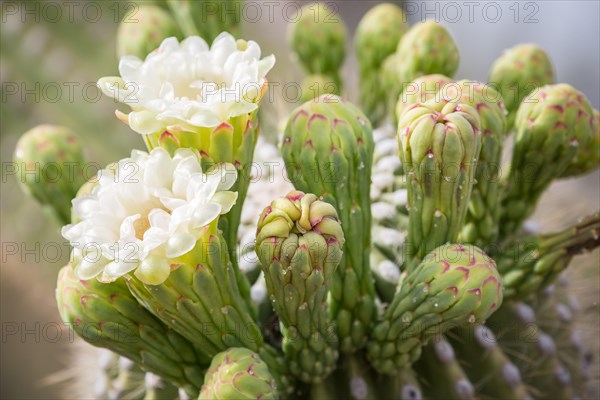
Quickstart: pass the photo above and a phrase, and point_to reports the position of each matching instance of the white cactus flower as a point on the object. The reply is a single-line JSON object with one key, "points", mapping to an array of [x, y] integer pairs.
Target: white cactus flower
{"points": [[182, 86], [145, 211]]}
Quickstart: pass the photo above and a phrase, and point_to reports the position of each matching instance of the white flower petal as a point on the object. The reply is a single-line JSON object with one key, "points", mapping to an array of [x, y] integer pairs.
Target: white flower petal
{"points": [[72, 232], [226, 200], [159, 218], [228, 176], [144, 122], [154, 270], [90, 268], [180, 244], [182, 85], [157, 171], [127, 226], [205, 215], [129, 65], [265, 65], [113, 86], [203, 187], [116, 269], [172, 203], [194, 45], [146, 209]]}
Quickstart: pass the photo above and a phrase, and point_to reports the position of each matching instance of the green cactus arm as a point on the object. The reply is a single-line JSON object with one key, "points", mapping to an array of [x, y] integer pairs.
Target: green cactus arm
{"points": [[558, 310], [530, 264], [377, 37], [439, 142], [386, 273], [358, 379], [486, 364], [238, 373], [551, 123], [318, 39], [50, 168], [327, 149], [483, 212], [299, 240], [324, 390], [355, 379], [442, 374], [405, 384], [532, 350], [454, 285], [144, 32], [107, 315], [519, 71]]}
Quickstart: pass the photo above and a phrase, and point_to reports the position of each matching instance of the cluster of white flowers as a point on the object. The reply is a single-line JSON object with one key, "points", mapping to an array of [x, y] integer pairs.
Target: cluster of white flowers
{"points": [[144, 211], [182, 86]]}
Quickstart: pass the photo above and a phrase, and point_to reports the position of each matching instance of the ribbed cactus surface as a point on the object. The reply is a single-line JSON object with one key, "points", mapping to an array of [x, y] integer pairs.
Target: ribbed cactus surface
{"points": [[386, 262]]}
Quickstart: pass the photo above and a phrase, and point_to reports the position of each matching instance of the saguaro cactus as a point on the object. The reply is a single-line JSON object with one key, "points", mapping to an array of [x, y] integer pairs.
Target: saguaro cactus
{"points": [[368, 277]]}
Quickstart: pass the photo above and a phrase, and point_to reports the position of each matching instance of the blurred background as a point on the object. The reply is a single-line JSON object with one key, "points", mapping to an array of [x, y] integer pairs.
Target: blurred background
{"points": [[52, 53]]}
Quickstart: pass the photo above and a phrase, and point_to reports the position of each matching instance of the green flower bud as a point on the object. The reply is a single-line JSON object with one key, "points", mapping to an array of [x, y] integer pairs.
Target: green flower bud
{"points": [[440, 143], [552, 123], [377, 36], [420, 90], [517, 72], [483, 211], [144, 31], [318, 39], [107, 315], [299, 240], [328, 150], [51, 165], [454, 285], [238, 373], [427, 48]]}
